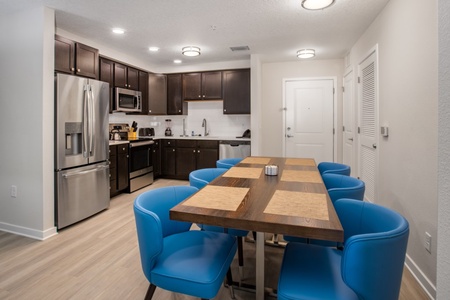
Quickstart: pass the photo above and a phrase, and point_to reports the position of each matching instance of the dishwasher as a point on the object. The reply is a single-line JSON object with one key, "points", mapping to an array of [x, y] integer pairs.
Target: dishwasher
{"points": [[234, 149]]}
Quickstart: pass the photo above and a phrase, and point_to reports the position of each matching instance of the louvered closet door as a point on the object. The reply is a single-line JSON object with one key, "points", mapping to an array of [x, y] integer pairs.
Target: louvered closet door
{"points": [[368, 105]]}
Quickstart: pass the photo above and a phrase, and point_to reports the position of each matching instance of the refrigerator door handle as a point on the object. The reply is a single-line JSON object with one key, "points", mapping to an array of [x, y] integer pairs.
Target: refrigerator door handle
{"points": [[91, 119], [85, 121], [84, 172]]}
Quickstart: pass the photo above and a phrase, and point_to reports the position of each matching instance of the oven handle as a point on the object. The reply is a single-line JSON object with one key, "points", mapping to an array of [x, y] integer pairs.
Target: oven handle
{"points": [[132, 145]]}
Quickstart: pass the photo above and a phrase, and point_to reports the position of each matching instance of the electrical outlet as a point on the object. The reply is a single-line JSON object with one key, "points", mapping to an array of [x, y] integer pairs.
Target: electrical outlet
{"points": [[428, 242], [14, 191]]}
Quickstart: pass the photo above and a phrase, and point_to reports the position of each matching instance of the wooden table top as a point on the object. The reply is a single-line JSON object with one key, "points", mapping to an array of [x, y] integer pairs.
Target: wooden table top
{"points": [[294, 202]]}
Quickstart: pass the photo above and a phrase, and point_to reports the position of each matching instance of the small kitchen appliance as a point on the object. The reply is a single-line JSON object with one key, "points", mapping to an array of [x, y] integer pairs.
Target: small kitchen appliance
{"points": [[168, 131]]}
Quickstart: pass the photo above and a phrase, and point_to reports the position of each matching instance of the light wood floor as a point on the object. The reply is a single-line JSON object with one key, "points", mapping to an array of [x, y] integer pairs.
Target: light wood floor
{"points": [[99, 259]]}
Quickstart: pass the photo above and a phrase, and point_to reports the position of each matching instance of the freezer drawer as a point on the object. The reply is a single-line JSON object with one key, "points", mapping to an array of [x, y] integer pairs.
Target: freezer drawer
{"points": [[81, 193]]}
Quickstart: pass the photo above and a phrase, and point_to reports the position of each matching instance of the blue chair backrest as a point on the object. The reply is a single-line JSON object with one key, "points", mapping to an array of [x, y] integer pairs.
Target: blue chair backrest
{"points": [[151, 211], [200, 178], [227, 163], [334, 168], [375, 244], [342, 186]]}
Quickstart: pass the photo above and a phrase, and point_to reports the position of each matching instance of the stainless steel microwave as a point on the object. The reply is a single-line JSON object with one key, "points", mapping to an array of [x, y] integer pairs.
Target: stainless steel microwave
{"points": [[128, 100]]}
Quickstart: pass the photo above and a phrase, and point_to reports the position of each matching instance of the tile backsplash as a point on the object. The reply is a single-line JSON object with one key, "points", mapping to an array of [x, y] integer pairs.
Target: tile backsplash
{"points": [[218, 124]]}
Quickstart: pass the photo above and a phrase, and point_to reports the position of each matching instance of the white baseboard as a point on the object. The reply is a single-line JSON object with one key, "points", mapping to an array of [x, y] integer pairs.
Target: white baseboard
{"points": [[426, 284], [28, 232]]}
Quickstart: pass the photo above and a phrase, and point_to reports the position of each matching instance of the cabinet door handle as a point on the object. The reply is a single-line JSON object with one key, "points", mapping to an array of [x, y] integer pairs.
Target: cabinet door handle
{"points": [[78, 70], [198, 151], [173, 150], [193, 151], [72, 69]]}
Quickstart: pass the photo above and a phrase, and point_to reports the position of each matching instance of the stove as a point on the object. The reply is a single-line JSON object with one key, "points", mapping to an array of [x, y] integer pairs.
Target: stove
{"points": [[140, 150]]}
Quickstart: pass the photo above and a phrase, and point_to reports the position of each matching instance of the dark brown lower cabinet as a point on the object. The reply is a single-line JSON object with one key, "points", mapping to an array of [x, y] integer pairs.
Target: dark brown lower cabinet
{"points": [[181, 157], [156, 159], [118, 168]]}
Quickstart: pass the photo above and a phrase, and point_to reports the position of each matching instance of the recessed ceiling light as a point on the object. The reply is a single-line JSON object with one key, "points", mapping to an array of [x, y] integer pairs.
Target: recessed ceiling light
{"points": [[306, 53], [316, 4], [190, 51], [153, 49], [177, 61], [118, 30]]}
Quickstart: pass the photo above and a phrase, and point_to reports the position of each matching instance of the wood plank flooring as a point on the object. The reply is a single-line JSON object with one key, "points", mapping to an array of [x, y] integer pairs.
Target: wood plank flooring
{"points": [[99, 259]]}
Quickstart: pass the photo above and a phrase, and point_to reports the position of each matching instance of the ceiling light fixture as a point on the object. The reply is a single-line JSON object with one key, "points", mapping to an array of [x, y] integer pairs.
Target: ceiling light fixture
{"points": [[316, 4], [177, 61], [153, 49], [190, 51], [118, 31], [306, 53]]}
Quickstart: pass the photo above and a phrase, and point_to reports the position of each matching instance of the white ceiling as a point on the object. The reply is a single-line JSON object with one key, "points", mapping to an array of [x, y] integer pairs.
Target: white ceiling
{"points": [[273, 29]]}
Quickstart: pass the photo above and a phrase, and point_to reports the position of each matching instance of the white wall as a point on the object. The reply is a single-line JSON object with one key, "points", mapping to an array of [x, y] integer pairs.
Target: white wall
{"points": [[406, 34], [272, 97], [443, 266], [26, 115]]}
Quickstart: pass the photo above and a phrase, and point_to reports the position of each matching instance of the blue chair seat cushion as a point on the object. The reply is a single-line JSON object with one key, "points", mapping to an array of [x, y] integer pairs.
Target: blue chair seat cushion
{"points": [[307, 271], [202, 255]]}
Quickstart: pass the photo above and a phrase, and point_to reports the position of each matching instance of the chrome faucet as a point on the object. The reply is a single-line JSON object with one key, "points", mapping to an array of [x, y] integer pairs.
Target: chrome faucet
{"points": [[204, 125]]}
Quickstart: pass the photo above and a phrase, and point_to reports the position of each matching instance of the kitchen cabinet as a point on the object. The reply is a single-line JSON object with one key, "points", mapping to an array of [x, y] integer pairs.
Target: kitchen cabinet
{"points": [[156, 159], [175, 103], [202, 86], [157, 94], [75, 58], [143, 87], [168, 157], [126, 77], [107, 75], [122, 167], [112, 171], [195, 154], [236, 91]]}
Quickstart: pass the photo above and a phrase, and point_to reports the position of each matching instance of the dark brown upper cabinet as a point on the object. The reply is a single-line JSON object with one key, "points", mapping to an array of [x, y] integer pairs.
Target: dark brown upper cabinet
{"points": [[236, 91], [175, 103], [75, 58], [157, 94], [143, 87], [126, 77], [202, 86], [107, 75]]}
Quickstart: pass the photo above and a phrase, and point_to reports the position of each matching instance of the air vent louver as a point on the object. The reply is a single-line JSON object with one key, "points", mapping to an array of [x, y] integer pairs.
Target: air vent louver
{"points": [[240, 48]]}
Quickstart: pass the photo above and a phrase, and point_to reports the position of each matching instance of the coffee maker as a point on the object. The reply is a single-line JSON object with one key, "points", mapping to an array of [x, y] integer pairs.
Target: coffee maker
{"points": [[168, 131]]}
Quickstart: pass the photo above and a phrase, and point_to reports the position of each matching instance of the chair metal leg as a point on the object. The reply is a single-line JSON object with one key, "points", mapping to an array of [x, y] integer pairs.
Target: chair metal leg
{"points": [[150, 291], [230, 283], [240, 258]]}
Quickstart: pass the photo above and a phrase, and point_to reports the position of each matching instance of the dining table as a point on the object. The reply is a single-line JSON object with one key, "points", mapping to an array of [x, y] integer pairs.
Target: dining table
{"points": [[293, 200]]}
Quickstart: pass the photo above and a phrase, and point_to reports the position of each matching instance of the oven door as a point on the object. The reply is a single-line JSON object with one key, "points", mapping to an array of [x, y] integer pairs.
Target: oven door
{"points": [[140, 158]]}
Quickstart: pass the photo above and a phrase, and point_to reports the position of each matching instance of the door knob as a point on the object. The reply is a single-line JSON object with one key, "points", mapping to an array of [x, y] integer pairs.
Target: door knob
{"points": [[350, 139], [374, 146], [288, 135]]}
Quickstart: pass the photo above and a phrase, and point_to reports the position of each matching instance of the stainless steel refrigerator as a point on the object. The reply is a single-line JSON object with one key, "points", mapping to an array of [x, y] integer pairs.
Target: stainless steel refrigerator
{"points": [[81, 148]]}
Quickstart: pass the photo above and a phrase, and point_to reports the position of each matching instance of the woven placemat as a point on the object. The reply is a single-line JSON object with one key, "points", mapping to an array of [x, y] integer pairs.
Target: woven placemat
{"points": [[243, 172], [300, 162], [218, 197], [256, 160], [301, 176], [298, 204]]}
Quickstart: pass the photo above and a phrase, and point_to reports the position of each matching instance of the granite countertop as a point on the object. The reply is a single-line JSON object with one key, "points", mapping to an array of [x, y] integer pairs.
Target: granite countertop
{"points": [[211, 138]]}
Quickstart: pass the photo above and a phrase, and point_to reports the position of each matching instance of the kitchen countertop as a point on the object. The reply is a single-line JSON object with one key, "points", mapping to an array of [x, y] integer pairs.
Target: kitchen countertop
{"points": [[211, 138]]}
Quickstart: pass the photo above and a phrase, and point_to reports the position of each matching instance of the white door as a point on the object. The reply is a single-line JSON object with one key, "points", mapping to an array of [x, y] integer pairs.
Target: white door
{"points": [[368, 134], [309, 119], [348, 114]]}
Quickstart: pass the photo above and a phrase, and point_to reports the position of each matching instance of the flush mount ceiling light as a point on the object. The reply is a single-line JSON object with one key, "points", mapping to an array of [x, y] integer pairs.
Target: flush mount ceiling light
{"points": [[177, 61], [306, 53], [153, 49], [118, 31], [316, 4], [190, 51]]}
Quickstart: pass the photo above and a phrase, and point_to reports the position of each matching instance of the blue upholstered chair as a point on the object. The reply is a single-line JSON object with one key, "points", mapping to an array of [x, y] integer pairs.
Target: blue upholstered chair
{"points": [[369, 267], [334, 168], [177, 259], [200, 178], [341, 186], [227, 163]]}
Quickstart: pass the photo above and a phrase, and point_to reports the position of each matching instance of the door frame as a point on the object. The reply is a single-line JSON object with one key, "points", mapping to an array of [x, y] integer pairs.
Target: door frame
{"points": [[335, 132]]}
